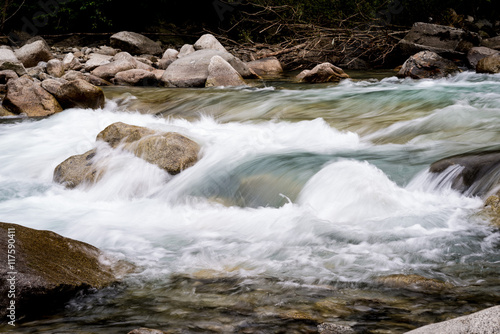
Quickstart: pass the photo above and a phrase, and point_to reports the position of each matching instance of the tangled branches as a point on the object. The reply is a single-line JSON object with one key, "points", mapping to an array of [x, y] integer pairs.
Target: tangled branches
{"points": [[277, 31]]}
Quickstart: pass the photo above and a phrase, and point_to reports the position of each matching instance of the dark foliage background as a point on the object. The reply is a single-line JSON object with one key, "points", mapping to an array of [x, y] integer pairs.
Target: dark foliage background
{"points": [[240, 19]]}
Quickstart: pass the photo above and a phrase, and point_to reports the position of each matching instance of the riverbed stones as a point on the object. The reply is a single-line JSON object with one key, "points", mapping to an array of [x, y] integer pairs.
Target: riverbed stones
{"points": [[490, 64], [24, 96], [9, 61], [192, 70], [108, 71], [331, 328], [486, 321], [266, 66], [492, 43], [70, 62], [7, 75], [208, 41], [33, 53], [146, 331], [414, 282], [52, 85], [134, 43], [50, 269], [135, 77], [325, 72], [55, 68], [96, 60], [80, 94], [90, 78], [477, 53], [427, 64], [221, 73]]}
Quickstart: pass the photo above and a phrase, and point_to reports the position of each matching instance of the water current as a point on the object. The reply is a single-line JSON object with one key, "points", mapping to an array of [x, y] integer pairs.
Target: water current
{"points": [[304, 198]]}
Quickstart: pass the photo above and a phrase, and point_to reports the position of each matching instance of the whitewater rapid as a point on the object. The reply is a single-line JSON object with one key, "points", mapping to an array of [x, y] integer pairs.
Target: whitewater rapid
{"points": [[294, 200]]}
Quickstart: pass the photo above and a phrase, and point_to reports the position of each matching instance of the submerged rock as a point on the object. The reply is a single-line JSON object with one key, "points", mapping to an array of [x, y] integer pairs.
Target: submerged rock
{"points": [[414, 282], [329, 328], [24, 96], [485, 322], [146, 331], [324, 72], [78, 169], [50, 269], [120, 133], [478, 174], [169, 151], [427, 64]]}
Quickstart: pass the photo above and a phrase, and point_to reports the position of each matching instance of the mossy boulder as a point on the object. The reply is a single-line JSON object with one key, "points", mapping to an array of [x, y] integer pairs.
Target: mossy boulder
{"points": [[49, 269]]}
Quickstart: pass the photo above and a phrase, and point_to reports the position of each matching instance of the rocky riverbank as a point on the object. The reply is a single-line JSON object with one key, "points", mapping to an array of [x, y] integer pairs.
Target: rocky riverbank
{"points": [[39, 80]]}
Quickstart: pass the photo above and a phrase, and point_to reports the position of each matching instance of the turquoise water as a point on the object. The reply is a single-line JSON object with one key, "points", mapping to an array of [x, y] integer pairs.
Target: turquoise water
{"points": [[303, 197]]}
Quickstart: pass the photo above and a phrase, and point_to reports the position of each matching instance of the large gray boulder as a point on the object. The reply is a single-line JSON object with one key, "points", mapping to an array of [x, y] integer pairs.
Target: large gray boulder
{"points": [[324, 72], [78, 169], [490, 64], [24, 96], [208, 42], [192, 70], [427, 64], [49, 270], [135, 43], [170, 151], [221, 73], [80, 94], [9, 61], [266, 66], [477, 176], [136, 77], [446, 41], [486, 321], [33, 53], [477, 53]]}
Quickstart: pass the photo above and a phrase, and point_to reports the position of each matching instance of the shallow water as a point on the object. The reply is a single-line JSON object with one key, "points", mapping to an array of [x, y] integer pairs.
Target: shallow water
{"points": [[304, 196]]}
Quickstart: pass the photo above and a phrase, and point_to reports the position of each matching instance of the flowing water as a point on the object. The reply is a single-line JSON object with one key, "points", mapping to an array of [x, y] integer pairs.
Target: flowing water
{"points": [[304, 197]]}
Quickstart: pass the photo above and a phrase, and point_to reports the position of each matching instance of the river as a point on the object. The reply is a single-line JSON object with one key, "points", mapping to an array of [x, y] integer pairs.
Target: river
{"points": [[303, 198]]}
